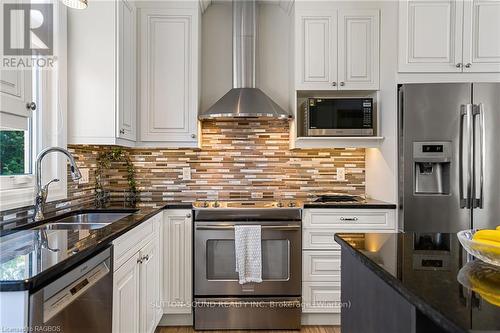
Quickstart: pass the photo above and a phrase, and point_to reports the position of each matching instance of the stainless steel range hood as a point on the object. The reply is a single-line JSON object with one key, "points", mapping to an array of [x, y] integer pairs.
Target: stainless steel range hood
{"points": [[244, 100]]}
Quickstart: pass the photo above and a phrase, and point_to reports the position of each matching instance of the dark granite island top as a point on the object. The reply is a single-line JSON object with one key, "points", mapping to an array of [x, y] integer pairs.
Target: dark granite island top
{"points": [[429, 272]]}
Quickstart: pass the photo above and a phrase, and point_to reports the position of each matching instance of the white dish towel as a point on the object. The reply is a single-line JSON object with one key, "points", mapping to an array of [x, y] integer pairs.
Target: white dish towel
{"points": [[248, 250]]}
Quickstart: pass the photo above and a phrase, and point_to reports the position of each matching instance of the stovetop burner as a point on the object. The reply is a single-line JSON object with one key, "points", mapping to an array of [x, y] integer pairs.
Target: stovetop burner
{"points": [[326, 198]]}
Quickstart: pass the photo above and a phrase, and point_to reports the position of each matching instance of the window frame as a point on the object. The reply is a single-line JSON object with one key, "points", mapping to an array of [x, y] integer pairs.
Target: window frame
{"points": [[19, 190]]}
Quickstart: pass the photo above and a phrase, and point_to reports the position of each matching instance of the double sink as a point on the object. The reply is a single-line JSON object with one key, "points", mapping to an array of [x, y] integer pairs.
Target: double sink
{"points": [[87, 220]]}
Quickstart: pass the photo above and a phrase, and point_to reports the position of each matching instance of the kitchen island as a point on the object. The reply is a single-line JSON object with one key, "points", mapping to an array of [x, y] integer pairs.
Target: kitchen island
{"points": [[410, 282]]}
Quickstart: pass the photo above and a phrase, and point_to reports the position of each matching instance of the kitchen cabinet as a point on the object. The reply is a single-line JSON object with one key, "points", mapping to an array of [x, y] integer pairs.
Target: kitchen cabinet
{"points": [[126, 296], [136, 278], [177, 261], [316, 51], [481, 39], [150, 286], [449, 36], [102, 85], [169, 44], [337, 49], [321, 258]]}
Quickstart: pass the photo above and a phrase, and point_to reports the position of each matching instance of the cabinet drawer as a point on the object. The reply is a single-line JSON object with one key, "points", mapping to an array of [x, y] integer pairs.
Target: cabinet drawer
{"points": [[322, 266], [349, 219], [128, 244], [319, 239], [321, 297]]}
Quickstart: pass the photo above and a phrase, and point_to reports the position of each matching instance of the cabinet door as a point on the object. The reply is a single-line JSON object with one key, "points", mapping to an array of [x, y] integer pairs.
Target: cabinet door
{"points": [[177, 256], [149, 286], [482, 36], [316, 49], [430, 35], [358, 44], [168, 74], [126, 297], [15, 84], [126, 71]]}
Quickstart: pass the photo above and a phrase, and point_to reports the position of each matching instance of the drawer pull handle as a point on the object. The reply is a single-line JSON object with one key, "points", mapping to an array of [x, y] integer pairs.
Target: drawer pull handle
{"points": [[348, 219]]}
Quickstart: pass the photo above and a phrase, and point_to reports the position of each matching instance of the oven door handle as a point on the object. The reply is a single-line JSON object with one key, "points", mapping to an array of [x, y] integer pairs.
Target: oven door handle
{"points": [[231, 227]]}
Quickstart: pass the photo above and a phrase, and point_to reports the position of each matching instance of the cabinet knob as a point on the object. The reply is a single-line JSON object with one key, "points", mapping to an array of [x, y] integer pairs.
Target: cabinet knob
{"points": [[468, 65], [334, 84], [188, 215], [193, 136], [31, 106], [122, 131], [342, 84], [459, 65]]}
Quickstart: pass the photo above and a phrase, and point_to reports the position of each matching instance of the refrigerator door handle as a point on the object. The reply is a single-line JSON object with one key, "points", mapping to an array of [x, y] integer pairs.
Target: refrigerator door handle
{"points": [[478, 112], [465, 198]]}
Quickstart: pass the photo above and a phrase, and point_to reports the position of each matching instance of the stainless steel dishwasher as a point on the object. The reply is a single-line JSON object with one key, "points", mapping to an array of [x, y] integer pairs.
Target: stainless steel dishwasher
{"points": [[79, 301]]}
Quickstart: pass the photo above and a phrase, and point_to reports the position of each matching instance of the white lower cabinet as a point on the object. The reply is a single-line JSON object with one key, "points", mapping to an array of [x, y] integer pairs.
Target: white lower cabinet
{"points": [[136, 278], [321, 264], [126, 297], [177, 261]]}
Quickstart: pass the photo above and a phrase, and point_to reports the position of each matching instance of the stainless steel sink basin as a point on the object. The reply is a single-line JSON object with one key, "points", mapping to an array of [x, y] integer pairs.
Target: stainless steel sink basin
{"points": [[85, 221]]}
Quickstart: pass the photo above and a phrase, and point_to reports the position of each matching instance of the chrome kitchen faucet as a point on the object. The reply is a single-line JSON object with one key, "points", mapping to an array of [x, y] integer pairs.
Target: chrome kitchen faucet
{"points": [[42, 191]]}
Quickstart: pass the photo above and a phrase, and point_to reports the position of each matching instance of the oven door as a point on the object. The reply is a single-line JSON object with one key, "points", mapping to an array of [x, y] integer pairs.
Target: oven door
{"points": [[215, 263]]}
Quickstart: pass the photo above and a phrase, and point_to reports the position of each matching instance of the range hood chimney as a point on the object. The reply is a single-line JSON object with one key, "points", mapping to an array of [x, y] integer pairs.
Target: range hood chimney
{"points": [[244, 100]]}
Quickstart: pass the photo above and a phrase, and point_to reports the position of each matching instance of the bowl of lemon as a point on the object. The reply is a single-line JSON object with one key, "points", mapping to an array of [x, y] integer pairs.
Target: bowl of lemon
{"points": [[483, 279], [482, 244]]}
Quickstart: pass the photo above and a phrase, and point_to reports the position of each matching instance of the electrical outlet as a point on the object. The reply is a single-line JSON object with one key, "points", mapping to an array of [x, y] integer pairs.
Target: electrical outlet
{"points": [[186, 173], [340, 174], [257, 195], [85, 176]]}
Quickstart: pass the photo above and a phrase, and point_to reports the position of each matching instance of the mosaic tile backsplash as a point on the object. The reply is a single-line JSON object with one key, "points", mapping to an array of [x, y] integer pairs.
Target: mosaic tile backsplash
{"points": [[238, 160]]}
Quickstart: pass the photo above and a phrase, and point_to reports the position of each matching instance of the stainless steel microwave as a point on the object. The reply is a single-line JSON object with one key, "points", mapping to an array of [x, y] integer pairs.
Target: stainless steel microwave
{"points": [[338, 117]]}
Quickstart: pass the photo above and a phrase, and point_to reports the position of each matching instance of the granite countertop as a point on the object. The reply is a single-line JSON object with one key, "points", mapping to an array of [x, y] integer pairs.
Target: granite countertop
{"points": [[435, 274], [365, 203], [26, 259]]}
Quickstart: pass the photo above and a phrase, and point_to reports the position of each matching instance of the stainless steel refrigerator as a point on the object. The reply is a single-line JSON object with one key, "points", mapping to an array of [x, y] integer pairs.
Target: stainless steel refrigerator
{"points": [[449, 156]]}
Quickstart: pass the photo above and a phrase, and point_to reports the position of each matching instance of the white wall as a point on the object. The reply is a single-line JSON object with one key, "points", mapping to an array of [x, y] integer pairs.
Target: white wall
{"points": [[381, 163], [272, 56]]}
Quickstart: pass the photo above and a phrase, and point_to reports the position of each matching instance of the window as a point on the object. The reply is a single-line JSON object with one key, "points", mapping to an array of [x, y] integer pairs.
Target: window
{"points": [[23, 131], [14, 152]]}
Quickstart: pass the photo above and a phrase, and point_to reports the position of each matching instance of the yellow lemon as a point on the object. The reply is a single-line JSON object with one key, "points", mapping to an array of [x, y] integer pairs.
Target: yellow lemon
{"points": [[489, 235]]}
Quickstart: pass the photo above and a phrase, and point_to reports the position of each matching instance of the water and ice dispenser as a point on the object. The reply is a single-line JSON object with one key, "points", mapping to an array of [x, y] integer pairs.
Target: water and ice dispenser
{"points": [[431, 167]]}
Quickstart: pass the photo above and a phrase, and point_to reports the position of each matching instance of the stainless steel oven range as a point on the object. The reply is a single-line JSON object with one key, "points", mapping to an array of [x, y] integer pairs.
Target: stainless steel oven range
{"points": [[220, 301]]}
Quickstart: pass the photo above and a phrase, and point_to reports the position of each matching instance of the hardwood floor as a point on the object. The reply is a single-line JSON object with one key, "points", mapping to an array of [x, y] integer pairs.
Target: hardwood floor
{"points": [[305, 329]]}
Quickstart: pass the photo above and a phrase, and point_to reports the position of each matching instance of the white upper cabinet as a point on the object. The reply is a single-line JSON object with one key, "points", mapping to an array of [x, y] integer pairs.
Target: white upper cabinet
{"points": [[169, 96], [316, 49], [430, 37], [337, 49], [126, 73], [358, 52], [449, 36], [481, 36], [101, 74]]}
